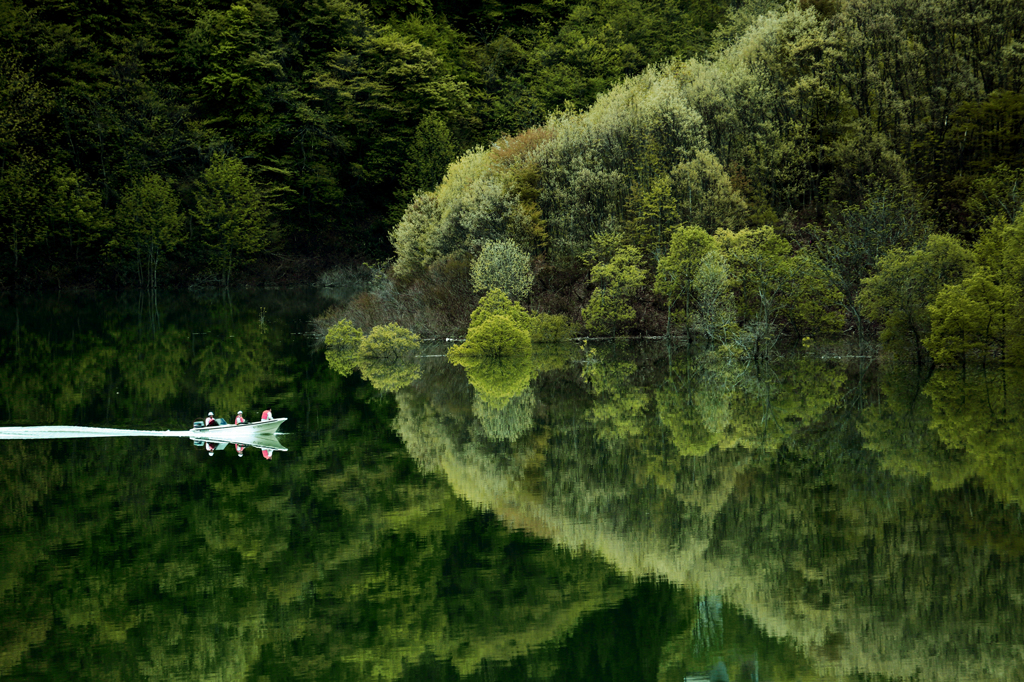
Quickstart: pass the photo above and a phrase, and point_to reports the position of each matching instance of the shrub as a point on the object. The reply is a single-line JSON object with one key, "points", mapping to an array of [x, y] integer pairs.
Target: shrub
{"points": [[389, 341], [496, 302], [344, 336], [495, 337], [545, 328], [502, 265]]}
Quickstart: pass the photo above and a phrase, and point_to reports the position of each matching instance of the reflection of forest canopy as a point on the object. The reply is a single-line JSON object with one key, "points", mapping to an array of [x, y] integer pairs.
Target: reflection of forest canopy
{"points": [[798, 501], [761, 486]]}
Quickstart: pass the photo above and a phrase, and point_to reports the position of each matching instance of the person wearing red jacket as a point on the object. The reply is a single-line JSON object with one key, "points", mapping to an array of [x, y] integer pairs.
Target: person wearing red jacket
{"points": [[239, 419], [210, 421], [267, 415]]}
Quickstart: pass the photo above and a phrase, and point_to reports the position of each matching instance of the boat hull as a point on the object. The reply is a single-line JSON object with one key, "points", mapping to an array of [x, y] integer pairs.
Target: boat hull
{"points": [[232, 432]]}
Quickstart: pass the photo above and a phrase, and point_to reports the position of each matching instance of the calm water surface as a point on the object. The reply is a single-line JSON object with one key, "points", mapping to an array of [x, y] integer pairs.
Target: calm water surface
{"points": [[625, 513]]}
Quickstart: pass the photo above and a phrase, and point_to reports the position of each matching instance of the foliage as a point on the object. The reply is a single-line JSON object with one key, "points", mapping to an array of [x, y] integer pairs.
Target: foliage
{"points": [[232, 214], [504, 266], [497, 337], [389, 342], [543, 122], [617, 280], [677, 269], [982, 314], [715, 303], [497, 303], [905, 282], [549, 329], [344, 336], [860, 236], [973, 319], [149, 227]]}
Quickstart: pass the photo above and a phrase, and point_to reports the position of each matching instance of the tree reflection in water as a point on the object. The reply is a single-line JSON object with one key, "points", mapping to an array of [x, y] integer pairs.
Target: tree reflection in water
{"points": [[634, 514]]}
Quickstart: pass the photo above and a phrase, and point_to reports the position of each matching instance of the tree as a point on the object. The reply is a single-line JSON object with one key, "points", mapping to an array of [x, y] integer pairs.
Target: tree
{"points": [[502, 265], [388, 342], [618, 279], [676, 271], [968, 319], [496, 337], [148, 227], [982, 315], [715, 304], [906, 282], [232, 215], [860, 236], [429, 154], [498, 327]]}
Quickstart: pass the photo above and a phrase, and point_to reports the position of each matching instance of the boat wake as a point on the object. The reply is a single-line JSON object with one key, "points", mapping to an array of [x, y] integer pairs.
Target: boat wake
{"points": [[44, 432]]}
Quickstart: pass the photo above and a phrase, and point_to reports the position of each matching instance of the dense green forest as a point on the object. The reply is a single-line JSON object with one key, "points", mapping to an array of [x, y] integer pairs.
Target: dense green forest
{"points": [[172, 143], [730, 171], [848, 166]]}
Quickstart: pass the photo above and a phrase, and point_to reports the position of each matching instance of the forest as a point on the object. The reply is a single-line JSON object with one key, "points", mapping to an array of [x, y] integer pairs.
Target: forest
{"points": [[732, 171], [172, 143]]}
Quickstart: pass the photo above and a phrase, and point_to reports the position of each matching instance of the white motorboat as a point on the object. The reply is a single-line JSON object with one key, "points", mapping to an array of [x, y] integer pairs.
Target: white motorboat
{"points": [[259, 434]]}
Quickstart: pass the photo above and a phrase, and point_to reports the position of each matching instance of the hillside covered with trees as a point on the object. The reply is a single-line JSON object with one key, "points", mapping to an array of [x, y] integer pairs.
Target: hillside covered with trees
{"points": [[821, 168], [735, 171], [173, 143]]}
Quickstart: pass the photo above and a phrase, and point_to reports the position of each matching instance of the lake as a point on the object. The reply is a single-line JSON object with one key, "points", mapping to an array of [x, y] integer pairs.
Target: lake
{"points": [[622, 512]]}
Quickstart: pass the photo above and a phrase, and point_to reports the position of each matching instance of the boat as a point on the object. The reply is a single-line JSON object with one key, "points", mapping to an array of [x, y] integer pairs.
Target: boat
{"points": [[261, 434], [233, 433]]}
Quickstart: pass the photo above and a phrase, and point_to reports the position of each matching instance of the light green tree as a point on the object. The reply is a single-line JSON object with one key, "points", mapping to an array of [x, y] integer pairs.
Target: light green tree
{"points": [[968, 319], [148, 226], [502, 265], [676, 271], [982, 315], [498, 336], [232, 213], [388, 342], [714, 302]]}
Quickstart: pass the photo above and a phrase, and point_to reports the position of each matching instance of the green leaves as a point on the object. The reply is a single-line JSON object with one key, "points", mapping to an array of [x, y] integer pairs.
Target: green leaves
{"points": [[906, 282], [618, 279], [149, 226], [502, 265], [232, 215]]}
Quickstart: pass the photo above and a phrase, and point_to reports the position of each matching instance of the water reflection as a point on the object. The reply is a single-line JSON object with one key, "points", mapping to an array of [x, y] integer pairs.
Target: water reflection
{"points": [[875, 524], [623, 514]]}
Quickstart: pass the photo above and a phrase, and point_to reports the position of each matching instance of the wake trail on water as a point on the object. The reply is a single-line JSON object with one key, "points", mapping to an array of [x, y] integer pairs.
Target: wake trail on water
{"points": [[43, 432]]}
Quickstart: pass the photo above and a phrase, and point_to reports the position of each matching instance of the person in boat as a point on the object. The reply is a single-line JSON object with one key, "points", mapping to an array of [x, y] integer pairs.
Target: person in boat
{"points": [[239, 419], [267, 415], [239, 448], [211, 420]]}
